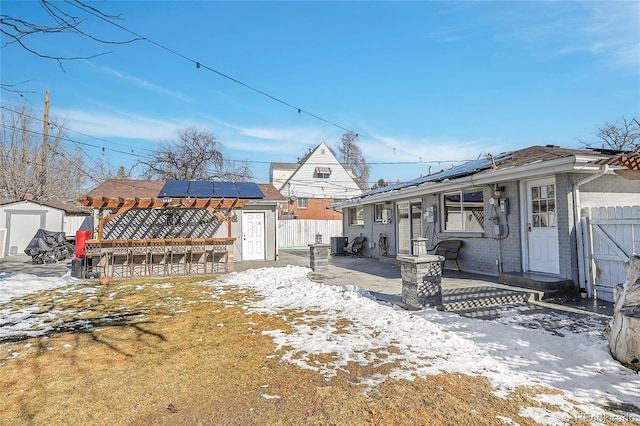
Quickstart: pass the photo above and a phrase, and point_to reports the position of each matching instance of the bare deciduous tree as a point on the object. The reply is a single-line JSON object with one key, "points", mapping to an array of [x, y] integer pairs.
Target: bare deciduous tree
{"points": [[381, 183], [56, 20], [351, 154], [195, 156], [623, 135], [24, 165]]}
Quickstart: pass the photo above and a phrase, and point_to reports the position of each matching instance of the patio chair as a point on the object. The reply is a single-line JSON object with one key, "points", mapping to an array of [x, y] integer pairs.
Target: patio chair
{"points": [[356, 246], [449, 249]]}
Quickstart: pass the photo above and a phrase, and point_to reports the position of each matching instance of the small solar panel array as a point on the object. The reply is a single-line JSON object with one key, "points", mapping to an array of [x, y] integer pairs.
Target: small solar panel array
{"points": [[203, 189], [455, 172]]}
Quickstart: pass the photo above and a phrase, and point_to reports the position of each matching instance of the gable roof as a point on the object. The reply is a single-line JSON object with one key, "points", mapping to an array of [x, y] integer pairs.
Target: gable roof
{"points": [[270, 192], [504, 166], [127, 188], [145, 189], [70, 209]]}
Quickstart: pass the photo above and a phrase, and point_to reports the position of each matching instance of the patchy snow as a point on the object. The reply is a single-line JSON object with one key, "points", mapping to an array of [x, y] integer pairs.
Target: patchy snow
{"points": [[19, 284], [349, 324]]}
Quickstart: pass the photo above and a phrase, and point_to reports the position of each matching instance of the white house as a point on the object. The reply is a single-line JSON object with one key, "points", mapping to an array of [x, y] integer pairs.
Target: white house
{"points": [[312, 184]]}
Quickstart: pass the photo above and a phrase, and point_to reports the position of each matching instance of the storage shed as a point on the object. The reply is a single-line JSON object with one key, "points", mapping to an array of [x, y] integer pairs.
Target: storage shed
{"points": [[20, 220]]}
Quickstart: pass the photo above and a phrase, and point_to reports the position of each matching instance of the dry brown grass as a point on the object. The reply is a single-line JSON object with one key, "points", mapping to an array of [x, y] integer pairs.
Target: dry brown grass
{"points": [[156, 355]]}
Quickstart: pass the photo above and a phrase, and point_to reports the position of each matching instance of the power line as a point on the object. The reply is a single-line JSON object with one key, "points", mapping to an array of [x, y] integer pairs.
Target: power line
{"points": [[200, 65], [65, 130]]}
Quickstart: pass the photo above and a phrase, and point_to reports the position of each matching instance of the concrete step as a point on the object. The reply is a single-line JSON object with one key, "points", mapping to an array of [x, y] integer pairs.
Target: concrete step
{"points": [[550, 286], [472, 298]]}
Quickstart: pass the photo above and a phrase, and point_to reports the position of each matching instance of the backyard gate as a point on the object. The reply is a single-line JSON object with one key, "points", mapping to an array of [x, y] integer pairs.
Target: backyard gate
{"points": [[610, 236]]}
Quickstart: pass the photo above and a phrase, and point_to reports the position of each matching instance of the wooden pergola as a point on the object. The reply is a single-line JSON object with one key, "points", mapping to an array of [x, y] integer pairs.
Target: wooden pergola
{"points": [[191, 247], [122, 205]]}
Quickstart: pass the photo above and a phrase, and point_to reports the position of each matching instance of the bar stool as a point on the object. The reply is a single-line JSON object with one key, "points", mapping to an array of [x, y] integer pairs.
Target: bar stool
{"points": [[157, 256], [120, 258], [91, 253], [178, 256], [106, 256], [220, 255], [197, 256], [139, 251]]}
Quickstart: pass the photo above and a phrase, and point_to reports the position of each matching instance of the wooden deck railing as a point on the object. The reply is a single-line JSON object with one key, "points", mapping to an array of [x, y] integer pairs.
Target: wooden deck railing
{"points": [[158, 257]]}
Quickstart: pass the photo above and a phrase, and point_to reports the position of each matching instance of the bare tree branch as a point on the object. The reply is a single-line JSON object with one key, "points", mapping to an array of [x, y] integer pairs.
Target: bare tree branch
{"points": [[623, 135], [195, 156], [351, 154], [21, 160], [61, 21]]}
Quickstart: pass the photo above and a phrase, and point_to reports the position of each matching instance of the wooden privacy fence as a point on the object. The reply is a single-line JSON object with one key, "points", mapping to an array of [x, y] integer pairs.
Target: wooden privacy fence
{"points": [[610, 236], [158, 256], [302, 232]]}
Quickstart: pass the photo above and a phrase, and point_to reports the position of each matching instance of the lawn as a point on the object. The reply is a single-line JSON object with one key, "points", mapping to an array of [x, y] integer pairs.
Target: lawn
{"points": [[180, 351]]}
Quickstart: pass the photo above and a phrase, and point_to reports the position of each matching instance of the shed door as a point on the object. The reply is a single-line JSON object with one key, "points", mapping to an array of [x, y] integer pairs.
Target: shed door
{"points": [[22, 226], [253, 241], [542, 230]]}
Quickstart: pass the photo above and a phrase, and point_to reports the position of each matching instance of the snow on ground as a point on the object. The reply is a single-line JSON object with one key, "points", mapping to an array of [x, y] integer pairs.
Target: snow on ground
{"points": [[352, 325]]}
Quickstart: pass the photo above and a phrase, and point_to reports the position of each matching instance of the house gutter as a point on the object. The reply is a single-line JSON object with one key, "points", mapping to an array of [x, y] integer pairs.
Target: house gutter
{"points": [[584, 283], [481, 178]]}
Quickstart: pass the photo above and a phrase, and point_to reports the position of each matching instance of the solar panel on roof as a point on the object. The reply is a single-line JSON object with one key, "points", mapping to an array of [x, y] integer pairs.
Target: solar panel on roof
{"points": [[452, 173], [225, 190], [200, 189], [249, 190], [174, 188]]}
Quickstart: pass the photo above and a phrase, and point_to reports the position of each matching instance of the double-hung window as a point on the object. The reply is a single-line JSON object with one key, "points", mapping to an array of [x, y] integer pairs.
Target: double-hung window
{"points": [[356, 216]]}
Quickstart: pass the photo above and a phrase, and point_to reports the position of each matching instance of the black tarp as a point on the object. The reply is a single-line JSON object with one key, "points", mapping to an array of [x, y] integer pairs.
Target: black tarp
{"points": [[48, 247]]}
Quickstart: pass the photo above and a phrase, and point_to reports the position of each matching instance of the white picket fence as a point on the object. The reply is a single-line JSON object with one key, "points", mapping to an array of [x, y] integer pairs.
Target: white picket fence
{"points": [[612, 235], [302, 232]]}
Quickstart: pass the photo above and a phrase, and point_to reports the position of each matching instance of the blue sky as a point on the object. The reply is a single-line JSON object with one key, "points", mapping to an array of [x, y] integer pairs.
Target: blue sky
{"points": [[424, 84]]}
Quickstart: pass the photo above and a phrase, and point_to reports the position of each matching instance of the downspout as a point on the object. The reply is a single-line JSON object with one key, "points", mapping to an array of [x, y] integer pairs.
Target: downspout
{"points": [[584, 283]]}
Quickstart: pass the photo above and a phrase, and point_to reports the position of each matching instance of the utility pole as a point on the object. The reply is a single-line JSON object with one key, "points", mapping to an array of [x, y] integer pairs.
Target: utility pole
{"points": [[45, 145]]}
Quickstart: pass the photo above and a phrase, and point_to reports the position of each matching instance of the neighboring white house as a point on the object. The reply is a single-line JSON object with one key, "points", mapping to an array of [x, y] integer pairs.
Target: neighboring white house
{"points": [[20, 220], [310, 185]]}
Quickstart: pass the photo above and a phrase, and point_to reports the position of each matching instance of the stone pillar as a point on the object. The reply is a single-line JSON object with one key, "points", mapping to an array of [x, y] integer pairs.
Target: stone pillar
{"points": [[623, 331], [421, 281], [319, 257], [230, 257]]}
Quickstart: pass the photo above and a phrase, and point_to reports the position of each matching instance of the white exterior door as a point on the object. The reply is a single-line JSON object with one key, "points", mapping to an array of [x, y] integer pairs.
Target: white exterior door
{"points": [[542, 230], [253, 236], [22, 228]]}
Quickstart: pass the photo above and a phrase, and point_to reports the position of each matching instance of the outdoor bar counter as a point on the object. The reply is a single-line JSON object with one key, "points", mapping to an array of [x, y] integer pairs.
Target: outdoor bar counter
{"points": [[158, 257]]}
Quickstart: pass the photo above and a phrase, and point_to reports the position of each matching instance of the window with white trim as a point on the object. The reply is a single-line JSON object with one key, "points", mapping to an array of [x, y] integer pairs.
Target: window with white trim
{"points": [[303, 203], [377, 212], [322, 173], [356, 215], [463, 211]]}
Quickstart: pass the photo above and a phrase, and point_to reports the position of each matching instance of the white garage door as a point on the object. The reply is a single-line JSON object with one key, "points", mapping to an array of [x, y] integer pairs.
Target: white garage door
{"points": [[21, 229]]}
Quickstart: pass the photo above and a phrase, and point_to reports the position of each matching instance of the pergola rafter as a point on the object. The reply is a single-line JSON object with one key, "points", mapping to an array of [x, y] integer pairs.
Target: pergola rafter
{"points": [[219, 207], [154, 203]]}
